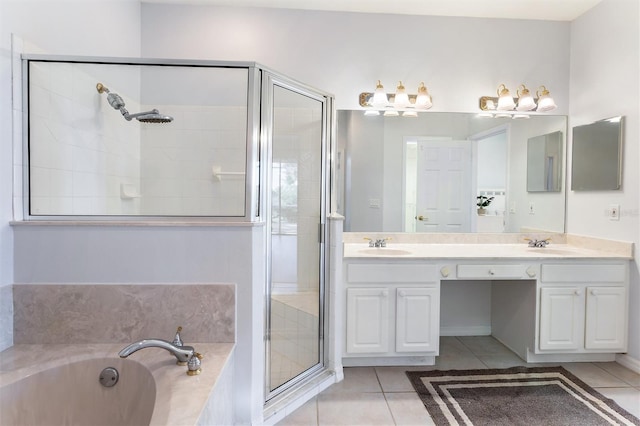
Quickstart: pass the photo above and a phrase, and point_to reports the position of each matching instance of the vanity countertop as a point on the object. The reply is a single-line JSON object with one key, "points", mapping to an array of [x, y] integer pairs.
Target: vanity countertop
{"points": [[480, 251]]}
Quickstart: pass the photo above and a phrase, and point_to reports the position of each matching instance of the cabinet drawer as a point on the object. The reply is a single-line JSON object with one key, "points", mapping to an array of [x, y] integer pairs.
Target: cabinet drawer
{"points": [[390, 273], [584, 273], [491, 271]]}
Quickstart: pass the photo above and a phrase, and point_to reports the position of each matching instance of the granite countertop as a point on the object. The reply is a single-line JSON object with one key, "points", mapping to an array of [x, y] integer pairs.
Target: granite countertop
{"points": [[180, 398], [483, 246], [478, 251]]}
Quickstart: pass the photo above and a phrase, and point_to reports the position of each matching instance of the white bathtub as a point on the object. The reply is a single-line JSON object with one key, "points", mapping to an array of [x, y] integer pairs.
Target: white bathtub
{"points": [[58, 385], [70, 394]]}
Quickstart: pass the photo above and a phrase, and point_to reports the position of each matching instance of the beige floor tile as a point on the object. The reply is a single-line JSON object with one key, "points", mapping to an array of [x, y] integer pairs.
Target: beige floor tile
{"points": [[459, 362], [593, 375], [407, 409], [452, 345], [627, 398], [306, 415], [357, 379], [621, 372], [353, 409], [394, 379], [484, 345], [503, 361]]}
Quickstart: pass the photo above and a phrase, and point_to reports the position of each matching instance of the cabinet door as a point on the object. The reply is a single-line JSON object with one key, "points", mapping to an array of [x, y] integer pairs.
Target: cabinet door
{"points": [[561, 318], [417, 319], [605, 320], [367, 320]]}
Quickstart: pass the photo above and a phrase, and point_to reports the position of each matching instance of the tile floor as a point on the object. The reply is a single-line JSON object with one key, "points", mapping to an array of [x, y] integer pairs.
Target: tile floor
{"points": [[383, 395]]}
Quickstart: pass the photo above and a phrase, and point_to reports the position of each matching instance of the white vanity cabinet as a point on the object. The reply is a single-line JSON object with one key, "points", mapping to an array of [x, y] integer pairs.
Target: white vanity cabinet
{"points": [[392, 312], [583, 308]]}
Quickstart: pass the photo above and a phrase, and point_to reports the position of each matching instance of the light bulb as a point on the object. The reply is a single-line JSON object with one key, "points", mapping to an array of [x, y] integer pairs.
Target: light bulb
{"points": [[545, 101], [402, 99], [379, 96], [423, 99], [505, 101], [525, 100]]}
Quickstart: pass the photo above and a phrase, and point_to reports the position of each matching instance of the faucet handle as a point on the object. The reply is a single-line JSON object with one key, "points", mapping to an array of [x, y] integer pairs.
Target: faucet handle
{"points": [[177, 341], [193, 366]]}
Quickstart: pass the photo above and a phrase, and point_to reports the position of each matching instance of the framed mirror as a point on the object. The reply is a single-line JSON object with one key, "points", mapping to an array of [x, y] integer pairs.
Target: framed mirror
{"points": [[596, 162], [544, 163]]}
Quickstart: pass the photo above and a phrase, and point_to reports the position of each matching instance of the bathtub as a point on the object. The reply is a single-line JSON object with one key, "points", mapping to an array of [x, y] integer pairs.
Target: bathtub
{"points": [[59, 385]]}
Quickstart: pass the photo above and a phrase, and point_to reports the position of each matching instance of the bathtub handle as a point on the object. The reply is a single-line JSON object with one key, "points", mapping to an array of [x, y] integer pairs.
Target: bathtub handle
{"points": [[193, 366]]}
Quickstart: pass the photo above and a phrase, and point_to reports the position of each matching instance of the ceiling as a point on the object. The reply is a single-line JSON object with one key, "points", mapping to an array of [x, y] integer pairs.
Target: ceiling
{"points": [[552, 10]]}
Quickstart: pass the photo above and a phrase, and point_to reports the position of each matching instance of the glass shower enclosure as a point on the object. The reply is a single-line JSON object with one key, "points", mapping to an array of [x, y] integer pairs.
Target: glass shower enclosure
{"points": [[168, 140]]}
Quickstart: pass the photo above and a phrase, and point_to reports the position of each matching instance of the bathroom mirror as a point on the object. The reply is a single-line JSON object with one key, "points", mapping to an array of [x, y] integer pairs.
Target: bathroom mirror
{"points": [[596, 163], [544, 163], [374, 152]]}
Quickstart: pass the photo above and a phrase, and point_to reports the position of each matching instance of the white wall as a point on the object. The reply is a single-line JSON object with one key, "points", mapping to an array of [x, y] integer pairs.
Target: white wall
{"points": [[459, 59], [605, 82], [98, 28]]}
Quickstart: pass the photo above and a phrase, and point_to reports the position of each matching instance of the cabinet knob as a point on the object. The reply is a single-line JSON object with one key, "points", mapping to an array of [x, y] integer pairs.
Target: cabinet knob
{"points": [[384, 293], [444, 271], [402, 293], [491, 272], [531, 272], [577, 292], [594, 293]]}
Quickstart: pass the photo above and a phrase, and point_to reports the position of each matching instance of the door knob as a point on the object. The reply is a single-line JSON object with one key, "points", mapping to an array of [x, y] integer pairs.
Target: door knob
{"points": [[422, 218]]}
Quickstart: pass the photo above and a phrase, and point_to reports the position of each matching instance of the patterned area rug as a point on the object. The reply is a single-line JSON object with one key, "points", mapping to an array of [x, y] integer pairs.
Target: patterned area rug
{"points": [[515, 396]]}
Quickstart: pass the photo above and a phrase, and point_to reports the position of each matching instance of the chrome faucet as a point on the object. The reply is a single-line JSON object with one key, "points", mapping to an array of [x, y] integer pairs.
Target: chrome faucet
{"points": [[182, 353], [538, 243], [380, 242]]}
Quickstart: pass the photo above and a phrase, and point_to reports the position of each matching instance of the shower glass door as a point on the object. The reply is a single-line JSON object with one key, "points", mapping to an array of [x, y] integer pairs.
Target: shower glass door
{"points": [[297, 201]]}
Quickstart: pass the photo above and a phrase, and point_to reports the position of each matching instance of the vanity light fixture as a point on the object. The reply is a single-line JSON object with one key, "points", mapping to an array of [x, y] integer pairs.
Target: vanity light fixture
{"points": [[392, 104], [506, 106]]}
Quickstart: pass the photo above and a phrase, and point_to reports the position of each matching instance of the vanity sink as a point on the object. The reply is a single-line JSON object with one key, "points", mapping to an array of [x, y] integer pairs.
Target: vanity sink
{"points": [[553, 251], [383, 251]]}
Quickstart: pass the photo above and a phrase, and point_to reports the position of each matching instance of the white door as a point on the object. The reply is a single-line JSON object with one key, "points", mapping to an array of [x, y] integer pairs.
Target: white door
{"points": [[561, 318], [605, 320], [417, 319], [443, 191], [367, 320]]}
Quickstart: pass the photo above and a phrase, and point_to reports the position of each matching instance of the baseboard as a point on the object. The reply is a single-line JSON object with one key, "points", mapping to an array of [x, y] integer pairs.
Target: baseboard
{"points": [[631, 363], [483, 330]]}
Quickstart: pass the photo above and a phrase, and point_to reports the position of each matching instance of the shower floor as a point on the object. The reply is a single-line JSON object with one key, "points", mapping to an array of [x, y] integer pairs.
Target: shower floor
{"points": [[294, 335]]}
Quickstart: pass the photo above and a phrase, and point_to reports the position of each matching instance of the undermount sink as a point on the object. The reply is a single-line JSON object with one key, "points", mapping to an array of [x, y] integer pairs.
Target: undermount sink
{"points": [[384, 251], [543, 250]]}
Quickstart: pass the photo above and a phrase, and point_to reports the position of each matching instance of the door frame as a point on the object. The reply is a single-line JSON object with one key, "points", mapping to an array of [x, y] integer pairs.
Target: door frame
{"points": [[268, 81]]}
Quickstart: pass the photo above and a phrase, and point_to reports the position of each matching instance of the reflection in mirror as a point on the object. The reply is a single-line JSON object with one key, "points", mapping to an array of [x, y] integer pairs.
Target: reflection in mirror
{"points": [[379, 175], [597, 156], [544, 163]]}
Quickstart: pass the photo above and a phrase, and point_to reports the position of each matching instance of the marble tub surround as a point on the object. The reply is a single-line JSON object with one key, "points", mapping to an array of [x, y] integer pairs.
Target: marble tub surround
{"points": [[78, 313], [180, 399], [482, 246]]}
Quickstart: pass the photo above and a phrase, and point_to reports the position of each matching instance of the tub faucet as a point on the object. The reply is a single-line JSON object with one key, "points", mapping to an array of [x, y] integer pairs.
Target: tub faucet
{"points": [[182, 353]]}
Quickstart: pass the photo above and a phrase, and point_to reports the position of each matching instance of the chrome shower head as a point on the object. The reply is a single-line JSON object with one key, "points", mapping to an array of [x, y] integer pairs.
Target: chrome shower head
{"points": [[117, 102], [152, 116]]}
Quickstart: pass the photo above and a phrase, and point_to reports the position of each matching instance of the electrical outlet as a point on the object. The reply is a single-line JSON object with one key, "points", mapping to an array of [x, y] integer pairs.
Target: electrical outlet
{"points": [[532, 209], [614, 212], [512, 209]]}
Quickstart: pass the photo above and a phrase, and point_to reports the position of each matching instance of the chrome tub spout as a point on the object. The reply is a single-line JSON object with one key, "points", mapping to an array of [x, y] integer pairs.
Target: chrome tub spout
{"points": [[182, 353]]}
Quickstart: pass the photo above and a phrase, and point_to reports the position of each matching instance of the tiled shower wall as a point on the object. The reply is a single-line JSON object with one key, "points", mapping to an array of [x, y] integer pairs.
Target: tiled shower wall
{"points": [[180, 162], [48, 314], [81, 149]]}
